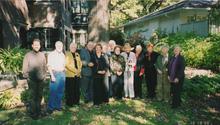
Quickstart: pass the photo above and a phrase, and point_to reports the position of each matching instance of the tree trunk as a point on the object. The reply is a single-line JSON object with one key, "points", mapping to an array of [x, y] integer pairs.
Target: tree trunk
{"points": [[98, 28]]}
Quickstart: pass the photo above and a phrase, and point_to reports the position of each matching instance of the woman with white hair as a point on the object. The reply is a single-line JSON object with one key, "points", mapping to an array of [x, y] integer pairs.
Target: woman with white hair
{"points": [[130, 60], [73, 73], [139, 71], [163, 85], [176, 75]]}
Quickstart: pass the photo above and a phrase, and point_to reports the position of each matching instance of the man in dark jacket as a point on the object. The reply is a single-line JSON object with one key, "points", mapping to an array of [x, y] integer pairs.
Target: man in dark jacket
{"points": [[86, 73], [176, 67]]}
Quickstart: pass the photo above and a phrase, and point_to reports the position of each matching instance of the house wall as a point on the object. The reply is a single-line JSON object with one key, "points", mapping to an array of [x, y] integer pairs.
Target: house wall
{"points": [[168, 23]]}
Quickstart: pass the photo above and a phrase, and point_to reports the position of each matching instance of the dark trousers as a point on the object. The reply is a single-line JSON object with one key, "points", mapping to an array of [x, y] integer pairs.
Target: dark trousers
{"points": [[86, 85], [117, 86], [99, 90], [176, 89], [138, 85], [35, 88], [72, 91], [151, 81]]}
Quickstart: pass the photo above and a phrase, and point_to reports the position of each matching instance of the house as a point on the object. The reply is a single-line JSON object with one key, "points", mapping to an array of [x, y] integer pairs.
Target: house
{"points": [[185, 16], [48, 20]]}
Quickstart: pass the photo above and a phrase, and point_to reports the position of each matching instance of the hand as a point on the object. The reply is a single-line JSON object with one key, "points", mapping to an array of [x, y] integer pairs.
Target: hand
{"points": [[169, 78], [77, 72], [119, 73], [53, 79], [141, 73], [159, 71], [101, 72], [130, 64], [176, 80], [90, 64]]}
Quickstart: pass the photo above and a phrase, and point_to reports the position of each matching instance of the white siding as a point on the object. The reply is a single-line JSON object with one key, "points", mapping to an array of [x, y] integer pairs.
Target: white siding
{"points": [[170, 23]]}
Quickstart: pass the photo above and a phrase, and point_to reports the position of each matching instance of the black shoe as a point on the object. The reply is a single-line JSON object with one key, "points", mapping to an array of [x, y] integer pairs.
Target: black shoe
{"points": [[34, 117], [44, 114], [60, 109], [175, 106], [49, 111]]}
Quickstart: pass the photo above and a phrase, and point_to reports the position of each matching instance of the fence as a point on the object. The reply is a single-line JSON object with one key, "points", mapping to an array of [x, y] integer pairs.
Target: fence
{"points": [[200, 27]]}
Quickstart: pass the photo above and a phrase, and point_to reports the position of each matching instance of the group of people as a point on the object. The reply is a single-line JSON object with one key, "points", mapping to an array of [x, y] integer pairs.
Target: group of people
{"points": [[102, 71]]}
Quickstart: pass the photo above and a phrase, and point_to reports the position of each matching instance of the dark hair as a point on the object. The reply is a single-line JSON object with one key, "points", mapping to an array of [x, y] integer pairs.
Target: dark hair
{"points": [[98, 44], [117, 47], [35, 40]]}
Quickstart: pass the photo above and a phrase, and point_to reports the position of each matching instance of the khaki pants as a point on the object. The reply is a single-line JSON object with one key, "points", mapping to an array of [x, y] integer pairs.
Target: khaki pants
{"points": [[163, 87]]}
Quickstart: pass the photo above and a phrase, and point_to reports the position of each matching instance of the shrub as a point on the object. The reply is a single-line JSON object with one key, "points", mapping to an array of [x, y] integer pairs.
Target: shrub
{"points": [[201, 86], [8, 100], [199, 52], [11, 60]]}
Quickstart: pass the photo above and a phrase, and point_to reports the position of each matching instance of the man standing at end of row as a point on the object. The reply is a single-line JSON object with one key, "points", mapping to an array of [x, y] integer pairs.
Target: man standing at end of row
{"points": [[34, 70]]}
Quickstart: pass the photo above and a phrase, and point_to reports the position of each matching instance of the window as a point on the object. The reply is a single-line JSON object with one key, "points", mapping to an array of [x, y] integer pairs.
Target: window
{"points": [[80, 12]]}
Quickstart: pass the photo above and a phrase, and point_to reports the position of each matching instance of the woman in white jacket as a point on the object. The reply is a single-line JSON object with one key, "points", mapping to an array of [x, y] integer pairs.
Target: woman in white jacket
{"points": [[130, 60]]}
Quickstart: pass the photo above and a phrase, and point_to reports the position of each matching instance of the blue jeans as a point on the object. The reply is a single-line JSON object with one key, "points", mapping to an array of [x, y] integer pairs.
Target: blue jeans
{"points": [[56, 91]]}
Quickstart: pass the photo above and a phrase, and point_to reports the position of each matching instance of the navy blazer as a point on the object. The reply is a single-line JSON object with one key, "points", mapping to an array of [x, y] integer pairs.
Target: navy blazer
{"points": [[85, 58], [180, 67]]}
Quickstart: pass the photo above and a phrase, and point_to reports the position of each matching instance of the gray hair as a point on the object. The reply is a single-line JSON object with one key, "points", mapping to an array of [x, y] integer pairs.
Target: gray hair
{"points": [[73, 44], [177, 47], [58, 42], [138, 47], [165, 47], [112, 42]]}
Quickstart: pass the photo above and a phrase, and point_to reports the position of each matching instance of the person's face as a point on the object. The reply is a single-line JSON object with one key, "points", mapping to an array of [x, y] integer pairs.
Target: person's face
{"points": [[59, 47], [73, 48], [98, 49], [176, 50], [164, 51], [138, 50], [90, 46], [111, 46], [150, 49], [105, 48], [127, 50], [117, 51], [36, 46]]}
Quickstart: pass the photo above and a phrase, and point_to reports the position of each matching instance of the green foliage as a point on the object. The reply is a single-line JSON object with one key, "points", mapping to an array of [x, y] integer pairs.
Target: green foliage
{"points": [[118, 37], [25, 96], [11, 60], [123, 11], [199, 52], [136, 39], [201, 86], [7, 100]]}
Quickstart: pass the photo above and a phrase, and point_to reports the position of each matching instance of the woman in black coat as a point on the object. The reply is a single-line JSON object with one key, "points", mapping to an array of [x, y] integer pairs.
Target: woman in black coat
{"points": [[139, 71], [176, 67], [150, 71], [99, 71]]}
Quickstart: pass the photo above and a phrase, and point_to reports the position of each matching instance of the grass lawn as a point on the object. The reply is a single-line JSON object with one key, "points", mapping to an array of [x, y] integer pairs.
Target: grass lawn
{"points": [[198, 110], [124, 112]]}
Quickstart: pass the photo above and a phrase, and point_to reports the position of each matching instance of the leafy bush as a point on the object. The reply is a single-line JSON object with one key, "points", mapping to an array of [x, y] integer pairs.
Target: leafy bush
{"points": [[11, 60], [201, 86], [118, 37], [199, 52], [8, 100], [136, 39]]}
